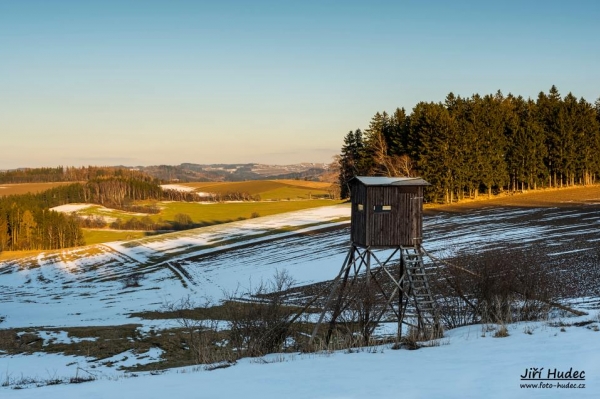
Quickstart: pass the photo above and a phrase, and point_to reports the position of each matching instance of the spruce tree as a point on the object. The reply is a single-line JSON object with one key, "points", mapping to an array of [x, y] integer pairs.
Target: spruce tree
{"points": [[351, 160], [432, 135]]}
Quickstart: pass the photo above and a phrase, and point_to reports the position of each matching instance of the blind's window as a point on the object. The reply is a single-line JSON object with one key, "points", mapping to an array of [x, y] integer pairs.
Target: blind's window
{"points": [[382, 208]]}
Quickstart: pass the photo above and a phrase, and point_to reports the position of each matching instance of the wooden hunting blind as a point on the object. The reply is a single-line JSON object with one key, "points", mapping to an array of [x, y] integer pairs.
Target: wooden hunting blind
{"points": [[386, 211], [386, 237]]}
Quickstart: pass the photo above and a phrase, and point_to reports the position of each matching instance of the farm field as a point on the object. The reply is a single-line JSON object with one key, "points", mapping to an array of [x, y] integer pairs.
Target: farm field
{"points": [[267, 189], [24, 188], [97, 236], [215, 213], [48, 294], [201, 214], [285, 189], [556, 197]]}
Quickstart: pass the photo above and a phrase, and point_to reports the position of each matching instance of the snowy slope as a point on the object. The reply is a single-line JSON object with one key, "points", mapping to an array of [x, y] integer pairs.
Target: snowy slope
{"points": [[85, 286], [465, 365]]}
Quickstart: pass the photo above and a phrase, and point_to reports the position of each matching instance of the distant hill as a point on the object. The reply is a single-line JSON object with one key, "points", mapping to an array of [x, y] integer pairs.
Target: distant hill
{"points": [[69, 174], [188, 172]]}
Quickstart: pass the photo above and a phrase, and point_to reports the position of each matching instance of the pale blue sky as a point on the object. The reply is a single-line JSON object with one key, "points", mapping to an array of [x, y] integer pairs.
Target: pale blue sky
{"points": [[149, 82]]}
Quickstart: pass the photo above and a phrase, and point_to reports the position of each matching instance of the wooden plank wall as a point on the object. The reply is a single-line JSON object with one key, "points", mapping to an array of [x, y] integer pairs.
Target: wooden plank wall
{"points": [[358, 232]]}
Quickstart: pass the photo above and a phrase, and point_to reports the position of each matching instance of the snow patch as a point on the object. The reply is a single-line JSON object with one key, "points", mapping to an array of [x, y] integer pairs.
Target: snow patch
{"points": [[177, 187], [68, 208]]}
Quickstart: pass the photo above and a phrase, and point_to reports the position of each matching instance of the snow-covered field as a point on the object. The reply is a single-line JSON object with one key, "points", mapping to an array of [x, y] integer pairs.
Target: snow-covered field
{"points": [[85, 287], [468, 363], [68, 208]]}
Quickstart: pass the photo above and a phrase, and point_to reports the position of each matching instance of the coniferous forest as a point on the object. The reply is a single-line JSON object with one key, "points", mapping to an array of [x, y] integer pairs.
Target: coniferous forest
{"points": [[482, 144]]}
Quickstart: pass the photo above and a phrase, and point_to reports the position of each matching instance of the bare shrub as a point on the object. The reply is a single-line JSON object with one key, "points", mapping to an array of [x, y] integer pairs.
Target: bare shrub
{"points": [[262, 324], [198, 335], [92, 221], [182, 221], [490, 289], [516, 288], [6, 381], [361, 305], [455, 312]]}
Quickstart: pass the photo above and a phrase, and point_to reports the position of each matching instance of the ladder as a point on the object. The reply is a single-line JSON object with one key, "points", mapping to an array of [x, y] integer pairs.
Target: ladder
{"points": [[418, 290]]}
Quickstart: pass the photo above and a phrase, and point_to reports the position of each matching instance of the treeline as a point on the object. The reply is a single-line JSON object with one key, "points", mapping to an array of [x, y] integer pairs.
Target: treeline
{"points": [[467, 146], [67, 174], [122, 193], [190, 196], [26, 224], [113, 192]]}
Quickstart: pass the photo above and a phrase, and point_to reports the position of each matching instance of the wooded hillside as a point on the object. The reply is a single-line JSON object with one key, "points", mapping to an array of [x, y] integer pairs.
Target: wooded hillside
{"points": [[67, 174], [26, 221]]}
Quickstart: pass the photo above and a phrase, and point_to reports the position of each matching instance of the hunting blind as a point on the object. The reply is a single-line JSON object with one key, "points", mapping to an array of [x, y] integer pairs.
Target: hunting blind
{"points": [[386, 211], [385, 244]]}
